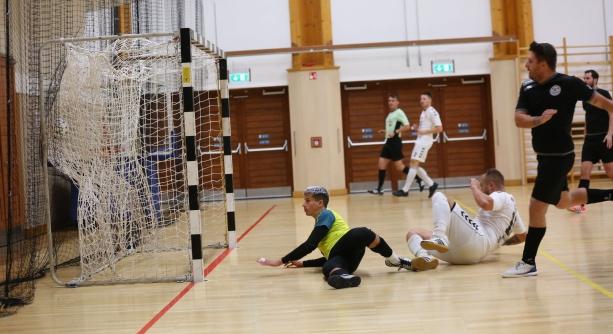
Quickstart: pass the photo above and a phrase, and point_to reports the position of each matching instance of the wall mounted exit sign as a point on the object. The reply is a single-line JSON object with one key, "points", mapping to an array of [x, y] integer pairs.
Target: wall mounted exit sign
{"points": [[242, 76], [443, 67]]}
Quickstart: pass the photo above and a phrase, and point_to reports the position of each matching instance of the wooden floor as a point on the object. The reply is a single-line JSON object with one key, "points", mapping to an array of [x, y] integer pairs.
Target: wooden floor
{"points": [[572, 294]]}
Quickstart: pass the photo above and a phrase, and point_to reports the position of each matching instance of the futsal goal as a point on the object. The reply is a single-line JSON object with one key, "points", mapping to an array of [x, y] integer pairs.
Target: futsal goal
{"points": [[140, 125]]}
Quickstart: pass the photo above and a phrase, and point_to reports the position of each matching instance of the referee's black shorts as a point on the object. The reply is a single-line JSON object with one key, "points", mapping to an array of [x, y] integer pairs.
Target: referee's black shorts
{"points": [[551, 177], [392, 149], [594, 150]]}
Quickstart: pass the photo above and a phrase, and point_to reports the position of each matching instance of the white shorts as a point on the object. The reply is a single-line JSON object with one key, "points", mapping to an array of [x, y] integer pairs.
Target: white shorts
{"points": [[420, 151], [467, 239]]}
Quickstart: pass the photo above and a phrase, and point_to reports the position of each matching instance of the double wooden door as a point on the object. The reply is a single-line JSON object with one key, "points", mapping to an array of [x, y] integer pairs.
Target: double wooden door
{"points": [[464, 149], [261, 142]]}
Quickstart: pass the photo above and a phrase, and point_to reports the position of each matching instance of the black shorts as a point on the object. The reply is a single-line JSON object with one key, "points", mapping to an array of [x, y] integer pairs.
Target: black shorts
{"points": [[594, 150], [551, 177], [349, 250], [392, 149]]}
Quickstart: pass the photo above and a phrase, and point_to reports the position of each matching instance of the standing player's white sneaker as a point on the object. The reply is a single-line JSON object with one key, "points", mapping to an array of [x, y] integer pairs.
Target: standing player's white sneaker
{"points": [[436, 244], [520, 269]]}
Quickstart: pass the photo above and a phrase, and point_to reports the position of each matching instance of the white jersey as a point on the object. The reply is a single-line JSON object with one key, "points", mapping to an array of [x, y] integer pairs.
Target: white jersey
{"points": [[428, 119], [502, 222]]}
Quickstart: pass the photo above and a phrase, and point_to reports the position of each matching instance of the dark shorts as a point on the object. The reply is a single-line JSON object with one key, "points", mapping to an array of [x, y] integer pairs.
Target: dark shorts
{"points": [[551, 177], [349, 250], [392, 149], [595, 150]]}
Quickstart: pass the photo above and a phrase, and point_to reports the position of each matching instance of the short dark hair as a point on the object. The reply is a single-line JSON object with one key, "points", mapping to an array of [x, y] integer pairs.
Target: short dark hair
{"points": [[495, 176], [319, 193], [545, 52], [393, 95], [593, 73], [428, 94]]}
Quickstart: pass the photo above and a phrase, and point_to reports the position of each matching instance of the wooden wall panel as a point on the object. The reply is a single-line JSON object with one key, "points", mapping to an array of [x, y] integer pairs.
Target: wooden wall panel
{"points": [[15, 178]]}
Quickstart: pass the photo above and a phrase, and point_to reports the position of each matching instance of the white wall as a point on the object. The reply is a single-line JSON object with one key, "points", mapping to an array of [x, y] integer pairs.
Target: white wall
{"points": [[581, 22], [243, 25], [364, 21], [588, 22], [247, 24]]}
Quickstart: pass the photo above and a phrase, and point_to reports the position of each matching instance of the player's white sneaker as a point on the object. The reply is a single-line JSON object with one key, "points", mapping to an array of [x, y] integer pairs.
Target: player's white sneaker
{"points": [[376, 192], [520, 269], [578, 208], [436, 244], [404, 264], [424, 263]]}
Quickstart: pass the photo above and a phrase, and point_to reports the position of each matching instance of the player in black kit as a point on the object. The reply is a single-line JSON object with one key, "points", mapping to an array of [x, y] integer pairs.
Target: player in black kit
{"points": [[546, 105], [594, 149]]}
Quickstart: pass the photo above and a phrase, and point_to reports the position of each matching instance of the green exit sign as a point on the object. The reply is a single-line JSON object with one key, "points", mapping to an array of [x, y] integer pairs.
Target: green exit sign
{"points": [[244, 76], [442, 67]]}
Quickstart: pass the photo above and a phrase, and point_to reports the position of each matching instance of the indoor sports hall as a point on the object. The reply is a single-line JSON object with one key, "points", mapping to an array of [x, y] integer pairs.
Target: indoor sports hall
{"points": [[306, 166]]}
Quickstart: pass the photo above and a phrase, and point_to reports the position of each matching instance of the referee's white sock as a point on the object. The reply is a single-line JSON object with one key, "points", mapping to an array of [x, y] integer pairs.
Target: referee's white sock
{"points": [[424, 176], [415, 246], [409, 180]]}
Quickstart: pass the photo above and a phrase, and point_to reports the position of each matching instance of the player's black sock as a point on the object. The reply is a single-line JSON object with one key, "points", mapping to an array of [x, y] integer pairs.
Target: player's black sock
{"points": [[584, 183], [381, 179], [533, 240], [599, 195], [383, 248]]}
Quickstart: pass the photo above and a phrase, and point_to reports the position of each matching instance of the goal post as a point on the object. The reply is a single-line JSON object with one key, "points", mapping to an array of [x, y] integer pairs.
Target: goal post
{"points": [[137, 122]]}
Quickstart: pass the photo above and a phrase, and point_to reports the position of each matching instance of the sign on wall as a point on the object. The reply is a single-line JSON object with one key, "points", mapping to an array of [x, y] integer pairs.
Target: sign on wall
{"points": [[443, 66]]}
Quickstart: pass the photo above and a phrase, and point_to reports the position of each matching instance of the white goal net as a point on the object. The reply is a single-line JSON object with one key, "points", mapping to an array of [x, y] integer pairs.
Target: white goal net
{"points": [[115, 128]]}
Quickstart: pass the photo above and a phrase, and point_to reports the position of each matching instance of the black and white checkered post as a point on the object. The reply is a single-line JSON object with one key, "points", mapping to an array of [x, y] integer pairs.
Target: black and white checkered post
{"points": [[189, 124], [227, 150]]}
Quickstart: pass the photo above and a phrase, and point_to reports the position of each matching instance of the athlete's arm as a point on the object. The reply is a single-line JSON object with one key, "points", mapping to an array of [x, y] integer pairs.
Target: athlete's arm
{"points": [[314, 262], [602, 102], [524, 120], [516, 239], [404, 128], [318, 233], [483, 200], [436, 129]]}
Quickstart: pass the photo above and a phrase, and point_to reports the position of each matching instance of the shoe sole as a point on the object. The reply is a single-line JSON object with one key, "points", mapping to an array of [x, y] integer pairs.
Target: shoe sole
{"points": [[338, 282], [532, 273], [433, 190], [421, 264], [428, 245], [374, 193], [401, 195]]}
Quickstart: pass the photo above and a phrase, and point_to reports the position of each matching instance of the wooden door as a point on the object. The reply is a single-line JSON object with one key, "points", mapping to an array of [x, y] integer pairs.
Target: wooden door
{"points": [[364, 111], [467, 138], [263, 133]]}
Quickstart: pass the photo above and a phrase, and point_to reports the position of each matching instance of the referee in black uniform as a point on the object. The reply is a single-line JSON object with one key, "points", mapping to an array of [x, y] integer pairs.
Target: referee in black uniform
{"points": [[594, 149], [546, 105]]}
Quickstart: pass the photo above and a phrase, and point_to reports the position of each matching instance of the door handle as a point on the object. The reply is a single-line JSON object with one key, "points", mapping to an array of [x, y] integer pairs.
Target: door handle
{"points": [[483, 136], [267, 149], [220, 151]]}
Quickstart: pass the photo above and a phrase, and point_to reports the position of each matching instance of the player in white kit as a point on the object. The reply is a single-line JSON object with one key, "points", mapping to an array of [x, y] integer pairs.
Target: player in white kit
{"points": [[429, 124], [459, 239]]}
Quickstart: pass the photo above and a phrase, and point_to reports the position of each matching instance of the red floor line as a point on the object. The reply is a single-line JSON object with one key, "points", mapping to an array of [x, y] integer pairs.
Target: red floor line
{"points": [[207, 271]]}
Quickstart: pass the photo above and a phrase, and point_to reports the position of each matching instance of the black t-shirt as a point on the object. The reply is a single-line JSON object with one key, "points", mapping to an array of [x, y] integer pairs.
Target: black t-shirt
{"points": [[561, 92], [596, 119]]}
